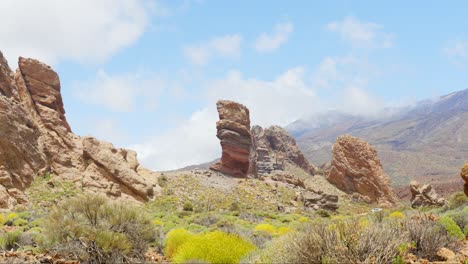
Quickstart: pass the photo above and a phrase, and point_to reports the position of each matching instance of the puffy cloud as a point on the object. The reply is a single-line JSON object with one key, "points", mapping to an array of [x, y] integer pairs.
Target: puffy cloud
{"points": [[270, 42], [80, 30], [361, 34], [228, 46]]}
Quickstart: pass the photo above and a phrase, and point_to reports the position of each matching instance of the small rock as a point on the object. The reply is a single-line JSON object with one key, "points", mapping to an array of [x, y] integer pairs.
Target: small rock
{"points": [[445, 254]]}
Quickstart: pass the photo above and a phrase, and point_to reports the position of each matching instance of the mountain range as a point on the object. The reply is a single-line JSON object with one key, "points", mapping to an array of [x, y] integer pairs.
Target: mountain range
{"points": [[427, 141]]}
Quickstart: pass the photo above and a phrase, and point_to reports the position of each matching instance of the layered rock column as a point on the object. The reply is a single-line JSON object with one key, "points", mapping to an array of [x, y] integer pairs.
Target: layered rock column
{"points": [[356, 168], [234, 133]]}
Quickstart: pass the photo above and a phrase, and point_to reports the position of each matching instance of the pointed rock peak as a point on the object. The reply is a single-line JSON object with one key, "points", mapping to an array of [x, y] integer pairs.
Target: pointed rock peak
{"points": [[43, 86], [6, 78], [355, 167], [464, 175]]}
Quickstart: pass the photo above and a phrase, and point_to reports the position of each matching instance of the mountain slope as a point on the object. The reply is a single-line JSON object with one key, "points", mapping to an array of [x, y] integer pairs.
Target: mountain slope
{"points": [[427, 142]]}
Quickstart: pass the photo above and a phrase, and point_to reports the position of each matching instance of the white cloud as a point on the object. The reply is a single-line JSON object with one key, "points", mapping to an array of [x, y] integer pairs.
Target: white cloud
{"points": [[122, 93], [361, 34], [457, 49], [193, 141], [228, 46], [358, 101], [80, 30], [270, 42]]}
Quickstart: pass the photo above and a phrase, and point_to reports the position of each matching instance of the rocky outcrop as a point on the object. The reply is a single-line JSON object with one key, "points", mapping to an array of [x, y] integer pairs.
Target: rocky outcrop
{"points": [[36, 138], [464, 175], [355, 167], [234, 133], [424, 195], [273, 148], [318, 200]]}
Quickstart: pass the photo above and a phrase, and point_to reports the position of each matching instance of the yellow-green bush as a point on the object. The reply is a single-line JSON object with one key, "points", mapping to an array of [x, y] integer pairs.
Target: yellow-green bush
{"points": [[452, 228], [266, 228], [158, 222], [397, 215], [2, 219], [213, 247], [272, 230], [9, 240], [304, 219], [174, 239], [12, 216], [20, 222]]}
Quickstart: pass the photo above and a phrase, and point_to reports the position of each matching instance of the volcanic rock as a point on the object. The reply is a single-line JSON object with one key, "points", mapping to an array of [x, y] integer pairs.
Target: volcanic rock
{"points": [[464, 175], [355, 167], [234, 134], [317, 201], [424, 195], [35, 138], [273, 148]]}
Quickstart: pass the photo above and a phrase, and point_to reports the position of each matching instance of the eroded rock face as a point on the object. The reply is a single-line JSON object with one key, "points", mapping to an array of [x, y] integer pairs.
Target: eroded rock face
{"points": [[234, 134], [273, 148], [424, 195], [36, 138], [355, 167], [464, 175]]}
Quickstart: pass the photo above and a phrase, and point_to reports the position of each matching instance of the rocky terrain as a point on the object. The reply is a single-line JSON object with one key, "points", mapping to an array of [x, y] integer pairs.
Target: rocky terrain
{"points": [[424, 195], [464, 175], [36, 139], [425, 142], [355, 167]]}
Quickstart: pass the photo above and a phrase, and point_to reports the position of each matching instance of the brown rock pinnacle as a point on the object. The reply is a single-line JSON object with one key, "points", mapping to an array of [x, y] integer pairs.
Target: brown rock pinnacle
{"points": [[234, 134], [464, 175], [355, 167]]}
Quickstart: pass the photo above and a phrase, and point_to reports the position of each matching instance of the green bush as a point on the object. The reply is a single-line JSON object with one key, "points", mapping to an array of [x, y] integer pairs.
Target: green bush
{"points": [[174, 239], [213, 247], [452, 228], [9, 240], [20, 222], [457, 200], [188, 207], [91, 229], [323, 213]]}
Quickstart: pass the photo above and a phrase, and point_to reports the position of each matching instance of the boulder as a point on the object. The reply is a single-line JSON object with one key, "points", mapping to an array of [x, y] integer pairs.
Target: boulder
{"points": [[234, 135], [317, 201], [355, 167], [464, 175], [36, 138], [424, 195]]}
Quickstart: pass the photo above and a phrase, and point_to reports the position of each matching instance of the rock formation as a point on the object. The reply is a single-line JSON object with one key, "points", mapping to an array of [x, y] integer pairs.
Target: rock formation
{"points": [[273, 148], [355, 167], [234, 133], [424, 195], [318, 200], [464, 175], [36, 138]]}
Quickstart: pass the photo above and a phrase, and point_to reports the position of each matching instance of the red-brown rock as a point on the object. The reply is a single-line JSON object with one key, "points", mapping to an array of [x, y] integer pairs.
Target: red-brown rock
{"points": [[36, 138], [234, 134], [355, 167], [464, 175]]}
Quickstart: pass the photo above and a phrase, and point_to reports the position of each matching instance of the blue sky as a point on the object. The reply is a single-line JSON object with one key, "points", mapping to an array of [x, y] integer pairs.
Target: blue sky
{"points": [[146, 74]]}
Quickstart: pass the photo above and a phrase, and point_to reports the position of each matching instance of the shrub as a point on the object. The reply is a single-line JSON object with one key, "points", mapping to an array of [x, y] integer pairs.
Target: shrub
{"points": [[452, 228], [323, 213], [9, 240], [174, 239], [157, 222], [188, 206], [2, 219], [12, 216], [304, 219], [458, 199], [427, 236], [91, 229], [20, 222], [465, 230], [267, 228], [213, 247], [397, 215], [234, 206]]}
